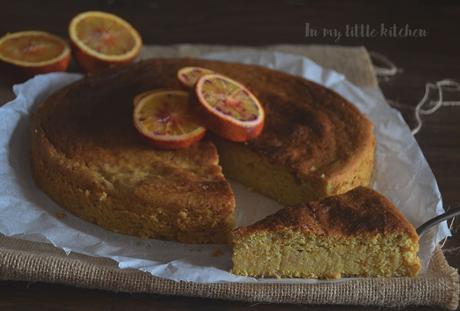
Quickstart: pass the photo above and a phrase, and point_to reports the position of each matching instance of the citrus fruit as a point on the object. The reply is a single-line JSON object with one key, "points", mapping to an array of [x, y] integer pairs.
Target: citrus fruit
{"points": [[165, 118], [27, 53], [188, 76], [140, 96], [102, 40], [228, 108]]}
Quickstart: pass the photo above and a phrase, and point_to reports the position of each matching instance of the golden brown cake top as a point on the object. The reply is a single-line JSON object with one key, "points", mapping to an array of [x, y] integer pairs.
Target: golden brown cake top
{"points": [[309, 129], [359, 212]]}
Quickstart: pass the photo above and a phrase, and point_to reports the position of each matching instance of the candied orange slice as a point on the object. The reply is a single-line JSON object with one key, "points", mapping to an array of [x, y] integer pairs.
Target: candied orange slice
{"points": [[102, 40], [188, 76], [27, 53], [165, 118], [229, 109]]}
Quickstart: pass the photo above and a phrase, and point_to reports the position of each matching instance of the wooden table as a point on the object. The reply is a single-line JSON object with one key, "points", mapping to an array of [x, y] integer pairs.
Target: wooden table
{"points": [[239, 22]]}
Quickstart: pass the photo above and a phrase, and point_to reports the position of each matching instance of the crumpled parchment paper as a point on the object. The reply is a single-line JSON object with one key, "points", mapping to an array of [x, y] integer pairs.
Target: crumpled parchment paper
{"points": [[401, 173]]}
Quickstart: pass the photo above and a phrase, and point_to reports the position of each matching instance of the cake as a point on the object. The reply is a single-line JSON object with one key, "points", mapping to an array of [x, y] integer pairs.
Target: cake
{"points": [[88, 157], [356, 234]]}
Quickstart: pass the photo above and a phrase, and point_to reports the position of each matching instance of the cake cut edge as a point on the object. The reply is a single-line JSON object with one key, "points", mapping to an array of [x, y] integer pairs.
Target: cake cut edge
{"points": [[356, 234]]}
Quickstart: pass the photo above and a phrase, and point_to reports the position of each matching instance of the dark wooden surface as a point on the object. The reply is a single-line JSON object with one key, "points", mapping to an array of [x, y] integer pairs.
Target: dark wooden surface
{"points": [[239, 22]]}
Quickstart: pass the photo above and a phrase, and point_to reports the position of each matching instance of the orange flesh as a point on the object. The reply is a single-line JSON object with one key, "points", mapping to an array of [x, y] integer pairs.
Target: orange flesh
{"points": [[166, 114], [31, 49], [105, 36], [229, 99]]}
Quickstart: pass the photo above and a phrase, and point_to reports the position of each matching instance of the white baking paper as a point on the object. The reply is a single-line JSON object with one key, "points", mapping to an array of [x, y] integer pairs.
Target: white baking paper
{"points": [[401, 173]]}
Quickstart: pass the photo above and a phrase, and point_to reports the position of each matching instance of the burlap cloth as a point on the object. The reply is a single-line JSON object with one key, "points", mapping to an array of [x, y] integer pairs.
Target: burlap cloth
{"points": [[31, 261]]}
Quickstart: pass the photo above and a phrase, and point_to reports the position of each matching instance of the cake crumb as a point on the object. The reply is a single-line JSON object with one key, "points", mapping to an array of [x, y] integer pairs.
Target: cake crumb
{"points": [[103, 196], [217, 252]]}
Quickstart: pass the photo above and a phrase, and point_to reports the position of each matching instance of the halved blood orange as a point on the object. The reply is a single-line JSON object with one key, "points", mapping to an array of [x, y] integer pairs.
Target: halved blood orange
{"points": [[228, 108], [165, 118], [188, 76], [27, 53], [102, 40]]}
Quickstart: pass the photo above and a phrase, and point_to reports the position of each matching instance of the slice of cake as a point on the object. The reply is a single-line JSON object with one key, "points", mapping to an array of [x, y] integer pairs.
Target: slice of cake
{"points": [[359, 233]]}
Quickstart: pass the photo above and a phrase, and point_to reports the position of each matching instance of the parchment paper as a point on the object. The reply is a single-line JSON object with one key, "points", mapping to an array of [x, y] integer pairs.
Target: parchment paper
{"points": [[401, 173]]}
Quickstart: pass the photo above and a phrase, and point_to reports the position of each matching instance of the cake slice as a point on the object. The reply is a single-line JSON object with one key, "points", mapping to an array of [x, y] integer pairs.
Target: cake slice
{"points": [[359, 233]]}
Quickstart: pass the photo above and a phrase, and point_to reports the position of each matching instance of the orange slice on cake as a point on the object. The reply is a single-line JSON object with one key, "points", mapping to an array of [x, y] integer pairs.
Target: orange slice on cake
{"points": [[188, 76], [165, 118], [138, 98], [27, 53], [228, 108], [102, 40]]}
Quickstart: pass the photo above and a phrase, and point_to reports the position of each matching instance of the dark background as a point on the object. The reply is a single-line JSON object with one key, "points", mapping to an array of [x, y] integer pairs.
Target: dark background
{"points": [[257, 23]]}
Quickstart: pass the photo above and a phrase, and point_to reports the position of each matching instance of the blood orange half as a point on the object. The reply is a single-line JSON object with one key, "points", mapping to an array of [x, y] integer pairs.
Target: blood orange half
{"points": [[165, 118], [228, 108], [102, 40], [27, 53]]}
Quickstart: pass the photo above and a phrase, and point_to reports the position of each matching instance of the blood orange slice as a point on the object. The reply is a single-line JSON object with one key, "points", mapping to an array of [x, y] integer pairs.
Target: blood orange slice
{"points": [[137, 99], [188, 76], [27, 53], [164, 117], [229, 109], [102, 40]]}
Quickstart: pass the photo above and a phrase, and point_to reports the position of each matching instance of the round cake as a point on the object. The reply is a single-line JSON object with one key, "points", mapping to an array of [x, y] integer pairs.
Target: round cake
{"points": [[89, 158]]}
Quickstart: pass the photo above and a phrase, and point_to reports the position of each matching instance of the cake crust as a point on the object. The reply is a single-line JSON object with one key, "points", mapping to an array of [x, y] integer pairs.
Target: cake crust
{"points": [[361, 211]]}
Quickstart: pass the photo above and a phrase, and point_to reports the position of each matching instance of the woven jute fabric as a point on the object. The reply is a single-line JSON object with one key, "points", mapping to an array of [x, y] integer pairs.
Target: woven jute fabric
{"points": [[439, 285]]}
